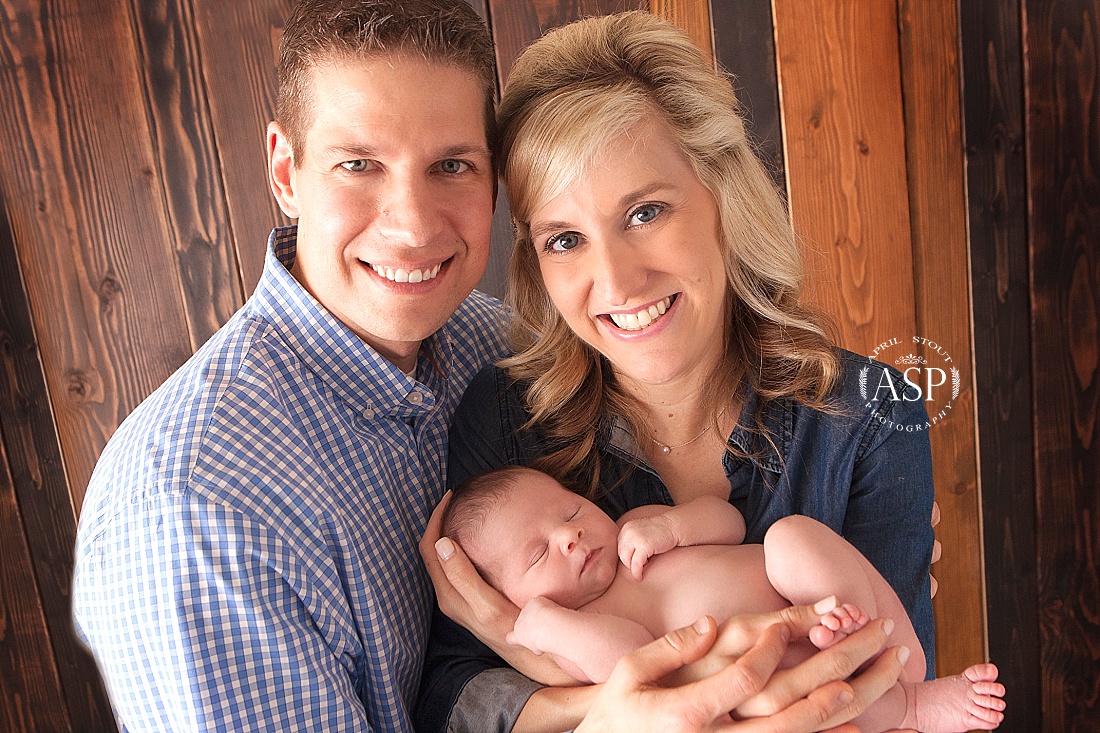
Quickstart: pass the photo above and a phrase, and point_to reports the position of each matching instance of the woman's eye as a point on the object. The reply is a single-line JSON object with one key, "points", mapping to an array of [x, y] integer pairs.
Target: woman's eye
{"points": [[452, 166], [355, 166], [645, 214], [563, 242]]}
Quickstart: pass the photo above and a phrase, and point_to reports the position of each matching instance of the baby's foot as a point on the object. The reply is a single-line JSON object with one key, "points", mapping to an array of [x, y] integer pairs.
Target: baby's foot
{"points": [[967, 701], [837, 624]]}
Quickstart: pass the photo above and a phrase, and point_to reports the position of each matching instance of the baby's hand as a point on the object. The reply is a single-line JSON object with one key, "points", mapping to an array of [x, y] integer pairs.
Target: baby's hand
{"points": [[530, 623], [641, 539]]}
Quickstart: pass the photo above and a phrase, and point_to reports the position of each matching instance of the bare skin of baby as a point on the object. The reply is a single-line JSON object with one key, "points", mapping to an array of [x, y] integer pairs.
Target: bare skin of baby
{"points": [[590, 591]]}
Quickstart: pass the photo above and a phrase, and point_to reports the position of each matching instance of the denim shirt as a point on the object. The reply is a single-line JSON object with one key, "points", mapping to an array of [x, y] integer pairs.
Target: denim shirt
{"points": [[863, 468]]}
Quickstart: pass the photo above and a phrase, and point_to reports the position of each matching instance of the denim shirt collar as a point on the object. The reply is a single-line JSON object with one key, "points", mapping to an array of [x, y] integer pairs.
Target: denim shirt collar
{"points": [[770, 455]]}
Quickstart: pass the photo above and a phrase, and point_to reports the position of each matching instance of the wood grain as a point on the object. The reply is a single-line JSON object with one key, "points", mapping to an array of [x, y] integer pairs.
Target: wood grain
{"points": [[1063, 150], [691, 15], [992, 60], [38, 516], [744, 45], [188, 165], [845, 144], [516, 23], [86, 204], [238, 44], [937, 202], [29, 685]]}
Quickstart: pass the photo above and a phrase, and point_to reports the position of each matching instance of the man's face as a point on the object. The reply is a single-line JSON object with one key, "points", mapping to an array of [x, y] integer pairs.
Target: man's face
{"points": [[393, 196]]}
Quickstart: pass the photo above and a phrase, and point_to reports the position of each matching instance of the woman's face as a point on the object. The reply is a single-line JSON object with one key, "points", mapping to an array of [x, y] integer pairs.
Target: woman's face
{"points": [[630, 256]]}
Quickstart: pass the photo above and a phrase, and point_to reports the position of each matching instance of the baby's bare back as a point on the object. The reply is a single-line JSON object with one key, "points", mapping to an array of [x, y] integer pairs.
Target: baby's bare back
{"points": [[683, 584]]}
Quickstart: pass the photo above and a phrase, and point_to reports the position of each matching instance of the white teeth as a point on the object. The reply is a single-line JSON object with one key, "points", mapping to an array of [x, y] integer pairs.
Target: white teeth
{"points": [[641, 319], [401, 275]]}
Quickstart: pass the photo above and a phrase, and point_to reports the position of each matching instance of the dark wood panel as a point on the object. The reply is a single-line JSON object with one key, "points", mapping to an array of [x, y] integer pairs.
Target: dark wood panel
{"points": [[1063, 146], [41, 496], [187, 163], [845, 145], [744, 45], [517, 23], [992, 65], [239, 45], [86, 203], [937, 204], [29, 686]]}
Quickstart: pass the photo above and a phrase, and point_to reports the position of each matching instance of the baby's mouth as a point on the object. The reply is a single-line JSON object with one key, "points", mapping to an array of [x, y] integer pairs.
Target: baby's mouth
{"points": [[644, 317]]}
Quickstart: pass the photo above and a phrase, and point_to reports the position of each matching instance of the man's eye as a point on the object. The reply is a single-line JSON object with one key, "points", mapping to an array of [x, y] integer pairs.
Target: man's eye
{"points": [[452, 166], [356, 166], [562, 242], [645, 214]]}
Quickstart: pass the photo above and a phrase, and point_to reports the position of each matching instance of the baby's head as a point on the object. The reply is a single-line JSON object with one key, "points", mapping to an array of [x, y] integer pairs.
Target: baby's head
{"points": [[529, 536]]}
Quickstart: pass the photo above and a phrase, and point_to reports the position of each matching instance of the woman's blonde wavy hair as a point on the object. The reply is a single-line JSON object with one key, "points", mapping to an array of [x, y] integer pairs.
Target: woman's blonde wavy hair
{"points": [[570, 94]]}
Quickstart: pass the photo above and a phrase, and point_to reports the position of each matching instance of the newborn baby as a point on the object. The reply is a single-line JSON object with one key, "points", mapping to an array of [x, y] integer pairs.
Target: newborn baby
{"points": [[591, 591]]}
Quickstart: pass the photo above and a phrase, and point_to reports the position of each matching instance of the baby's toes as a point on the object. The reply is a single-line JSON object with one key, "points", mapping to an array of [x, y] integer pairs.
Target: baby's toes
{"points": [[822, 637], [981, 673]]}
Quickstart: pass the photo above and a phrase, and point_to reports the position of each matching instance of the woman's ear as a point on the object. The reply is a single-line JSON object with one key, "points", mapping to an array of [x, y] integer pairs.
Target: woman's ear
{"points": [[280, 169]]}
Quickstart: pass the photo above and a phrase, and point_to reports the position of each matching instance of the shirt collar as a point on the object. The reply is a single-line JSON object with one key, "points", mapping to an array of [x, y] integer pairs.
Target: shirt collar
{"points": [[357, 373], [778, 420]]}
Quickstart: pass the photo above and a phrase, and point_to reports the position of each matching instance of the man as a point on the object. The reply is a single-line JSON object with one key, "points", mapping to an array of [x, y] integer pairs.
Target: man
{"points": [[247, 552]]}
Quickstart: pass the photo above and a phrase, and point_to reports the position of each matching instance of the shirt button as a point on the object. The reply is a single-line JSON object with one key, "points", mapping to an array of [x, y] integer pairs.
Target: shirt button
{"points": [[416, 398], [368, 414]]}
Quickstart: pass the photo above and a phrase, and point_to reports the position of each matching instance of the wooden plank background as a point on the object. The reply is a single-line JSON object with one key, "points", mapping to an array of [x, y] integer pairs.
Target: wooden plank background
{"points": [[135, 208], [997, 207], [1063, 153]]}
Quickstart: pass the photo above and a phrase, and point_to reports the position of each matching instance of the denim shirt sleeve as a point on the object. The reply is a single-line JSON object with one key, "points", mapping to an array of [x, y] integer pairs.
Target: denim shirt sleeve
{"points": [[889, 510], [466, 688]]}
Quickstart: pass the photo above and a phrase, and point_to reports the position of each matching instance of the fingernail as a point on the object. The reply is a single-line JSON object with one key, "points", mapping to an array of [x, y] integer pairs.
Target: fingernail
{"points": [[444, 548], [825, 605], [903, 654], [702, 625], [785, 633], [889, 626], [845, 697]]}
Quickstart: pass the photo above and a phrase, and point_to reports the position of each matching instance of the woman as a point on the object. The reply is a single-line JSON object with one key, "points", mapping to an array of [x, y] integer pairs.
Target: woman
{"points": [[661, 349]]}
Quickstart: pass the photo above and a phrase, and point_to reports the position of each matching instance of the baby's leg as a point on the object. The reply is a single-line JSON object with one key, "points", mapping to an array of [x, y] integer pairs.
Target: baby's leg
{"points": [[806, 561]]}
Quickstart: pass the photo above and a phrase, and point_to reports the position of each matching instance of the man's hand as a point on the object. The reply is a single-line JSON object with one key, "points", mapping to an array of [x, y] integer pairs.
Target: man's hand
{"points": [[634, 698]]}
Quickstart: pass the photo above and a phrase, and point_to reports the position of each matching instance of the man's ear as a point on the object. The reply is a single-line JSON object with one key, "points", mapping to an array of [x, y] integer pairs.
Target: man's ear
{"points": [[280, 169]]}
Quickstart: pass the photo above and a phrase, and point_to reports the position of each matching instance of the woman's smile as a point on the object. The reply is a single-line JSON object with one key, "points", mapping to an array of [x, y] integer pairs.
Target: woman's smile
{"points": [[637, 320]]}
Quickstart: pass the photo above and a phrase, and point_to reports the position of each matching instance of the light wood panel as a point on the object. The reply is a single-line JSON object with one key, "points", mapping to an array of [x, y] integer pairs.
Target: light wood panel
{"points": [[844, 139], [1063, 152], [937, 202]]}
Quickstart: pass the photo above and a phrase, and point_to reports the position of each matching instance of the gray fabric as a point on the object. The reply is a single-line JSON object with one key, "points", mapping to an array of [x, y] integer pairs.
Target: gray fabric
{"points": [[491, 701]]}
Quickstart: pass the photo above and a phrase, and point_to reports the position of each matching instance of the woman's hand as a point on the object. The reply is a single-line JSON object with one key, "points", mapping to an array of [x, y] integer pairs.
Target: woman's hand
{"points": [[937, 548], [468, 600], [633, 699]]}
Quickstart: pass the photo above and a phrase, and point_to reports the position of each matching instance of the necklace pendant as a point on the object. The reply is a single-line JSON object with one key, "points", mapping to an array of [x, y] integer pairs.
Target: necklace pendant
{"points": [[665, 450]]}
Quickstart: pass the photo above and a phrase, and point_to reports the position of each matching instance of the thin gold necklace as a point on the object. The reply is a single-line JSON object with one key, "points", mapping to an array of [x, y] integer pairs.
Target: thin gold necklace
{"points": [[665, 448]]}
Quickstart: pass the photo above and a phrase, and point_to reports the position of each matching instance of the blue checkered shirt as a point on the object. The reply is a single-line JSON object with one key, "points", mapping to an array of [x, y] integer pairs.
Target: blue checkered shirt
{"points": [[247, 551]]}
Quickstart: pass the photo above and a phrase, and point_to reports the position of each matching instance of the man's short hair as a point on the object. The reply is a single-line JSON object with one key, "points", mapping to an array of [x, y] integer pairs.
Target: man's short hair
{"points": [[448, 32]]}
